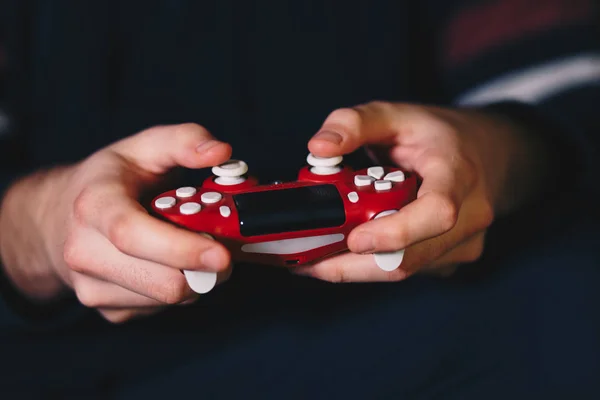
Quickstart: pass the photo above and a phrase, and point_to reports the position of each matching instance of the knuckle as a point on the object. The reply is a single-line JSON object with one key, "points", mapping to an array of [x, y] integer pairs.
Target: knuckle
{"points": [[474, 250], [468, 172], [173, 292], [88, 298], [191, 130], [72, 255], [339, 274], [487, 215], [346, 117], [435, 162], [332, 273], [380, 108], [185, 253], [120, 231], [117, 317], [399, 236], [397, 275], [472, 254], [447, 211], [84, 203]]}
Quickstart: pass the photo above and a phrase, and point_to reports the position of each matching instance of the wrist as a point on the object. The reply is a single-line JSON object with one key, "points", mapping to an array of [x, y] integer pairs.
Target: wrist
{"points": [[24, 213], [515, 157]]}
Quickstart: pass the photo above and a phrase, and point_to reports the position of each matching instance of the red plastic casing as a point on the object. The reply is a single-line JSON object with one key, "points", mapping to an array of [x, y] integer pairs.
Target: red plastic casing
{"points": [[226, 230]]}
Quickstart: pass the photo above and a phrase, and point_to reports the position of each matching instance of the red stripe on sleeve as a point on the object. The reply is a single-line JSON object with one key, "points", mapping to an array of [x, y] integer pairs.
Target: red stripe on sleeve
{"points": [[498, 22]]}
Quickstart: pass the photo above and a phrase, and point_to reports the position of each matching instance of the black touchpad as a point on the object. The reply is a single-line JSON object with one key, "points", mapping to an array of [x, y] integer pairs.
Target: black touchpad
{"points": [[285, 210]]}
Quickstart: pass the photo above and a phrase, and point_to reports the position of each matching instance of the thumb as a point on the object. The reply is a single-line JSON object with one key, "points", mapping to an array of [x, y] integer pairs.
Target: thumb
{"points": [[347, 129], [161, 148]]}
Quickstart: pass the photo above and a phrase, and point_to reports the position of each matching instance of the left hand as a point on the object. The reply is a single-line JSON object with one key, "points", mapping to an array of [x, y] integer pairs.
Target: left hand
{"points": [[467, 160]]}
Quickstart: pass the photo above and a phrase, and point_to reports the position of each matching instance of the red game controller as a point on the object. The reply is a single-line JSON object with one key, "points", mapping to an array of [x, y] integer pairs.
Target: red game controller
{"points": [[287, 224]]}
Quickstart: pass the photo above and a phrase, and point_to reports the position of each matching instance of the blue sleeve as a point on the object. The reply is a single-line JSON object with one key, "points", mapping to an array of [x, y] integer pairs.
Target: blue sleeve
{"points": [[542, 68]]}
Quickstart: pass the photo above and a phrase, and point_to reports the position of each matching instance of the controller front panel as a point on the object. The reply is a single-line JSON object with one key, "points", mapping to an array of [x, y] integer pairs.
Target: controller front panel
{"points": [[291, 223]]}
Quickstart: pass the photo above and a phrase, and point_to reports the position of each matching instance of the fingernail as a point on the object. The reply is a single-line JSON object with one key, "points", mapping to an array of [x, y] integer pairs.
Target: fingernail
{"points": [[329, 136], [205, 146], [364, 243], [212, 259]]}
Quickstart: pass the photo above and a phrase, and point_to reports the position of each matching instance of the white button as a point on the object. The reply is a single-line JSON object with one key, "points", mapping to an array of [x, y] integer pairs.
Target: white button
{"points": [[396, 176], [363, 180], [211, 197], [316, 161], [190, 208], [187, 191], [231, 168], [165, 202], [353, 197], [376, 172], [383, 185], [225, 211]]}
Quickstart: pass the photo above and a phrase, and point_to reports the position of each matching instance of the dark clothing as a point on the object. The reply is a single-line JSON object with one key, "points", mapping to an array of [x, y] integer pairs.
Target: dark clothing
{"points": [[521, 323]]}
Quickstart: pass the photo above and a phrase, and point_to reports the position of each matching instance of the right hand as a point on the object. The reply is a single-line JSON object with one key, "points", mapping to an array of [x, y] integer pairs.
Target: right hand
{"points": [[82, 229]]}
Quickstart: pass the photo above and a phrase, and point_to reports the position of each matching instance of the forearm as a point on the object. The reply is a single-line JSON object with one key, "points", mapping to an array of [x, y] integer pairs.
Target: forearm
{"points": [[516, 156], [23, 211]]}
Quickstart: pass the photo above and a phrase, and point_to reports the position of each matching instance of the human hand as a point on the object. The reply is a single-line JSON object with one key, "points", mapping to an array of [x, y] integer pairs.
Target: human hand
{"points": [[81, 227], [473, 166]]}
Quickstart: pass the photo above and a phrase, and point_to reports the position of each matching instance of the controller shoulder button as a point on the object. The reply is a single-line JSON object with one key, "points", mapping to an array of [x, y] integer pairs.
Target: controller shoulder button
{"points": [[388, 261]]}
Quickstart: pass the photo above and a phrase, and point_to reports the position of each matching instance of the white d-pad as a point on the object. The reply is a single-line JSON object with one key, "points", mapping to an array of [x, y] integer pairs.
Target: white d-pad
{"points": [[388, 261]]}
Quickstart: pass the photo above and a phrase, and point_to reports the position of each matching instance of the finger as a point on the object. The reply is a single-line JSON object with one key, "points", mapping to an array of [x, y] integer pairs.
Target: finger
{"points": [[427, 257], [350, 267], [90, 253], [347, 129], [136, 233], [99, 294], [441, 272], [96, 293], [427, 217], [161, 148], [442, 251], [469, 251], [119, 316], [435, 212]]}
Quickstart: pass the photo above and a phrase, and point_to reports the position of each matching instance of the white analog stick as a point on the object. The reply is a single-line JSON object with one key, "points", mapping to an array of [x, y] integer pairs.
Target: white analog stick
{"points": [[316, 161], [232, 168], [324, 165]]}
